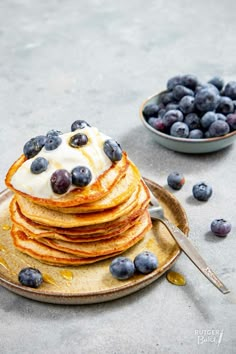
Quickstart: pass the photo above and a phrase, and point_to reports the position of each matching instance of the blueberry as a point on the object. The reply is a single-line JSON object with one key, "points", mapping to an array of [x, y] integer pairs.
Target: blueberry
{"points": [[218, 82], [207, 119], [39, 165], [174, 81], [151, 110], [78, 140], [206, 100], [145, 262], [157, 123], [60, 181], [175, 180], [161, 113], [192, 120], [207, 86], [113, 150], [52, 142], [171, 106], [219, 128], [180, 91], [202, 191], [190, 81], [179, 130], [122, 268], [171, 117], [231, 120], [53, 132], [186, 104], [225, 105], [221, 116], [79, 124], [230, 90], [81, 176], [196, 134], [166, 98], [220, 227], [30, 277], [33, 146]]}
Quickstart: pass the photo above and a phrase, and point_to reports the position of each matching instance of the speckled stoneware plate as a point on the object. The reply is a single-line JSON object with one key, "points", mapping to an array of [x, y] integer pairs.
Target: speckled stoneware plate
{"points": [[188, 146], [90, 283]]}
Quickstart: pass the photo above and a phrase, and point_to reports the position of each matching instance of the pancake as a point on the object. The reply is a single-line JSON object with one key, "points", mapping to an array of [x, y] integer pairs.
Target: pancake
{"points": [[103, 247], [33, 230], [50, 217], [49, 255]]}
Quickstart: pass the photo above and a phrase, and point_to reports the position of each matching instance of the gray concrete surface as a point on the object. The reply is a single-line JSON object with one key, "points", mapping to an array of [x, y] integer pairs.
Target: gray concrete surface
{"points": [[98, 60]]}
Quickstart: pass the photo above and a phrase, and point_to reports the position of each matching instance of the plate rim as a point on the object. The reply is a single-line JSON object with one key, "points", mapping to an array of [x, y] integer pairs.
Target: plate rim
{"points": [[56, 297]]}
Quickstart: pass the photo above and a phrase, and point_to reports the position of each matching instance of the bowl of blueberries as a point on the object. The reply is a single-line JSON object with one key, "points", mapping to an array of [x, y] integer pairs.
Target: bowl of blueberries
{"points": [[192, 117]]}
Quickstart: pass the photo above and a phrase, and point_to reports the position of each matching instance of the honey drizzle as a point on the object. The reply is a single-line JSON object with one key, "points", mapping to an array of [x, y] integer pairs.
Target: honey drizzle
{"points": [[6, 227], [2, 248], [4, 263], [49, 279], [66, 274], [176, 278]]}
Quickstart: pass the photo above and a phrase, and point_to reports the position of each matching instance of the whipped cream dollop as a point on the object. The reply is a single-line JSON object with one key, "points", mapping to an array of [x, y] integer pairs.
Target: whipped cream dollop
{"points": [[66, 157]]}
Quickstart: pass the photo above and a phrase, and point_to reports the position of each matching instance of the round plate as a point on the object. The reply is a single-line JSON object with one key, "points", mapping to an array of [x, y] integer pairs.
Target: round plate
{"points": [[90, 283], [185, 145]]}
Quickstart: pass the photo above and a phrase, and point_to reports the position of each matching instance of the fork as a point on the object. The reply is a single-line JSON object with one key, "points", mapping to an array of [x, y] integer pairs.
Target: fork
{"points": [[157, 213]]}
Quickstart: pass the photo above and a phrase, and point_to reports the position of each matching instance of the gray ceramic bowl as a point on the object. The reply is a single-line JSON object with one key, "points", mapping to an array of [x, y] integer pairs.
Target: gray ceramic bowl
{"points": [[189, 146]]}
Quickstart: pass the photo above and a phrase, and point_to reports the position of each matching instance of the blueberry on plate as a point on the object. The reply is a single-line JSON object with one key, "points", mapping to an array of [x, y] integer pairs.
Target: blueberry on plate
{"points": [[78, 140], [52, 142], [33, 146], [145, 262], [179, 130], [79, 124], [30, 277], [220, 227], [113, 150], [39, 165], [175, 180], [219, 128], [122, 268], [202, 191], [81, 176], [151, 110], [60, 181]]}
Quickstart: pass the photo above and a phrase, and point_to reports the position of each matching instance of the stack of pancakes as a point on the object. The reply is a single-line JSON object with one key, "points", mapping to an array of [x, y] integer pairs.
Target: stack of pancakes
{"points": [[86, 224]]}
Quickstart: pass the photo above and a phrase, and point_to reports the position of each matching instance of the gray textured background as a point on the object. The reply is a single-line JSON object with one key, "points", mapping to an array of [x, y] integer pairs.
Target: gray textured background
{"points": [[98, 60]]}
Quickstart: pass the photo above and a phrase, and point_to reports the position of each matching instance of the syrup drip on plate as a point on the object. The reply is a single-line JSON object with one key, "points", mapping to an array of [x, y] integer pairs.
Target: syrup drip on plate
{"points": [[66, 274], [175, 278], [6, 227], [4, 263], [49, 279], [2, 248]]}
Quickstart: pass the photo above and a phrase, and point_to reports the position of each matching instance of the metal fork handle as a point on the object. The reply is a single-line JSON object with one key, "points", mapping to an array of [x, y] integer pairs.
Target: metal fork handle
{"points": [[192, 253]]}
